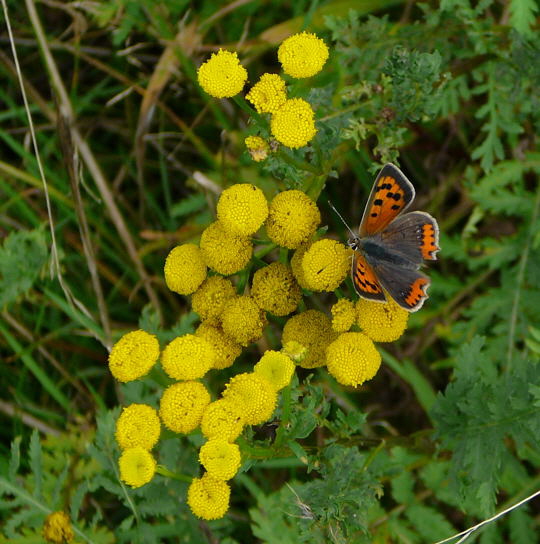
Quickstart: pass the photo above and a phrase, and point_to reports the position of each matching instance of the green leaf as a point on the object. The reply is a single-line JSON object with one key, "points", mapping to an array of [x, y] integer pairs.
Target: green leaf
{"points": [[523, 16], [430, 524], [522, 526], [35, 458], [15, 458], [22, 257]]}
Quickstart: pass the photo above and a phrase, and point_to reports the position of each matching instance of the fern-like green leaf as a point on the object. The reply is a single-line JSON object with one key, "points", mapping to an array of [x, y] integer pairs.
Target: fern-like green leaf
{"points": [[35, 458], [523, 15], [22, 257]]}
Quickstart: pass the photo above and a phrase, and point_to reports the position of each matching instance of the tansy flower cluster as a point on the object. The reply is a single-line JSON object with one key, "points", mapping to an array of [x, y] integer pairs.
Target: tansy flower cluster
{"points": [[238, 297], [291, 120], [343, 341]]}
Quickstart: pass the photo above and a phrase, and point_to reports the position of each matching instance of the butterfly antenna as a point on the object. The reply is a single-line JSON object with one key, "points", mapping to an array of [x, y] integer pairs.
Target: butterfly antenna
{"points": [[353, 235]]}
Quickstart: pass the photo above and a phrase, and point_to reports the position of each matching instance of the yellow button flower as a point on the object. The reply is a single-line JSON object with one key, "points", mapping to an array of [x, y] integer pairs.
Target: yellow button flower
{"points": [[220, 458], [208, 498], [224, 252], [133, 355], [182, 406], [302, 55], [382, 322], [295, 350], [137, 466], [185, 269], [188, 357], [57, 528], [222, 75], [257, 147], [326, 264], [138, 425], [293, 125], [223, 419], [225, 348], [242, 209], [296, 264], [276, 367], [352, 358], [255, 394], [292, 219], [243, 320], [208, 301], [275, 289], [343, 315], [268, 94], [313, 330]]}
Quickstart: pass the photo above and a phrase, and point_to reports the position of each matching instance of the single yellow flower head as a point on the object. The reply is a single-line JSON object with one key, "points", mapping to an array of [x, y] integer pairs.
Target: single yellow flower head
{"points": [[133, 355], [313, 330], [242, 209], [210, 298], [268, 94], [224, 419], [185, 269], [352, 358], [326, 264], [225, 348], [302, 55], [57, 528], [224, 252], [292, 219], [275, 289], [208, 498], [222, 75], [276, 367], [382, 322], [343, 315], [296, 264], [255, 394], [188, 357], [257, 147], [220, 458], [243, 320], [182, 406], [295, 351], [137, 466], [293, 125], [138, 425]]}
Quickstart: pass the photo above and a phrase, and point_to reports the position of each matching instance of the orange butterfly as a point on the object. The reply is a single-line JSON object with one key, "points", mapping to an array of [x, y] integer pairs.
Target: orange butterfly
{"points": [[391, 245]]}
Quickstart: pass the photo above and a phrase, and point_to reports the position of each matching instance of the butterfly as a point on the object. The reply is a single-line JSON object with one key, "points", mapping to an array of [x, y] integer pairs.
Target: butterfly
{"points": [[391, 245]]}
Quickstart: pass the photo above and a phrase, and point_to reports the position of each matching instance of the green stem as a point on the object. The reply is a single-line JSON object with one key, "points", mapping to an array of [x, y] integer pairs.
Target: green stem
{"points": [[296, 163], [285, 414], [265, 250], [315, 188], [160, 469], [242, 103]]}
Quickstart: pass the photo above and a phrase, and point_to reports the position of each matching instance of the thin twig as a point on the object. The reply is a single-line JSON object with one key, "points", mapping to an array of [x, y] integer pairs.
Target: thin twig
{"points": [[71, 158], [465, 534]]}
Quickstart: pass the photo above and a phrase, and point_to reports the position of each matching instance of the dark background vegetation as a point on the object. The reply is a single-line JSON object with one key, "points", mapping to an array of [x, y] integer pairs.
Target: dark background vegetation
{"points": [[134, 154]]}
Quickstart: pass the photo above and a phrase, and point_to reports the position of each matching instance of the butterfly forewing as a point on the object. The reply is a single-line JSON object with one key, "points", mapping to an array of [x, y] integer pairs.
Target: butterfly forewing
{"points": [[364, 279], [392, 193]]}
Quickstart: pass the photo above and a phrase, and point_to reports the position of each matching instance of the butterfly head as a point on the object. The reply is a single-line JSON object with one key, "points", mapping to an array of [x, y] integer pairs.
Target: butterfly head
{"points": [[354, 242]]}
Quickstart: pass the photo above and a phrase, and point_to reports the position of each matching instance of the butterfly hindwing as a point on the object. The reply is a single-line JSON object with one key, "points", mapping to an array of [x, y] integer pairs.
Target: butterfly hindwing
{"points": [[391, 194], [414, 236], [407, 287], [364, 279]]}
